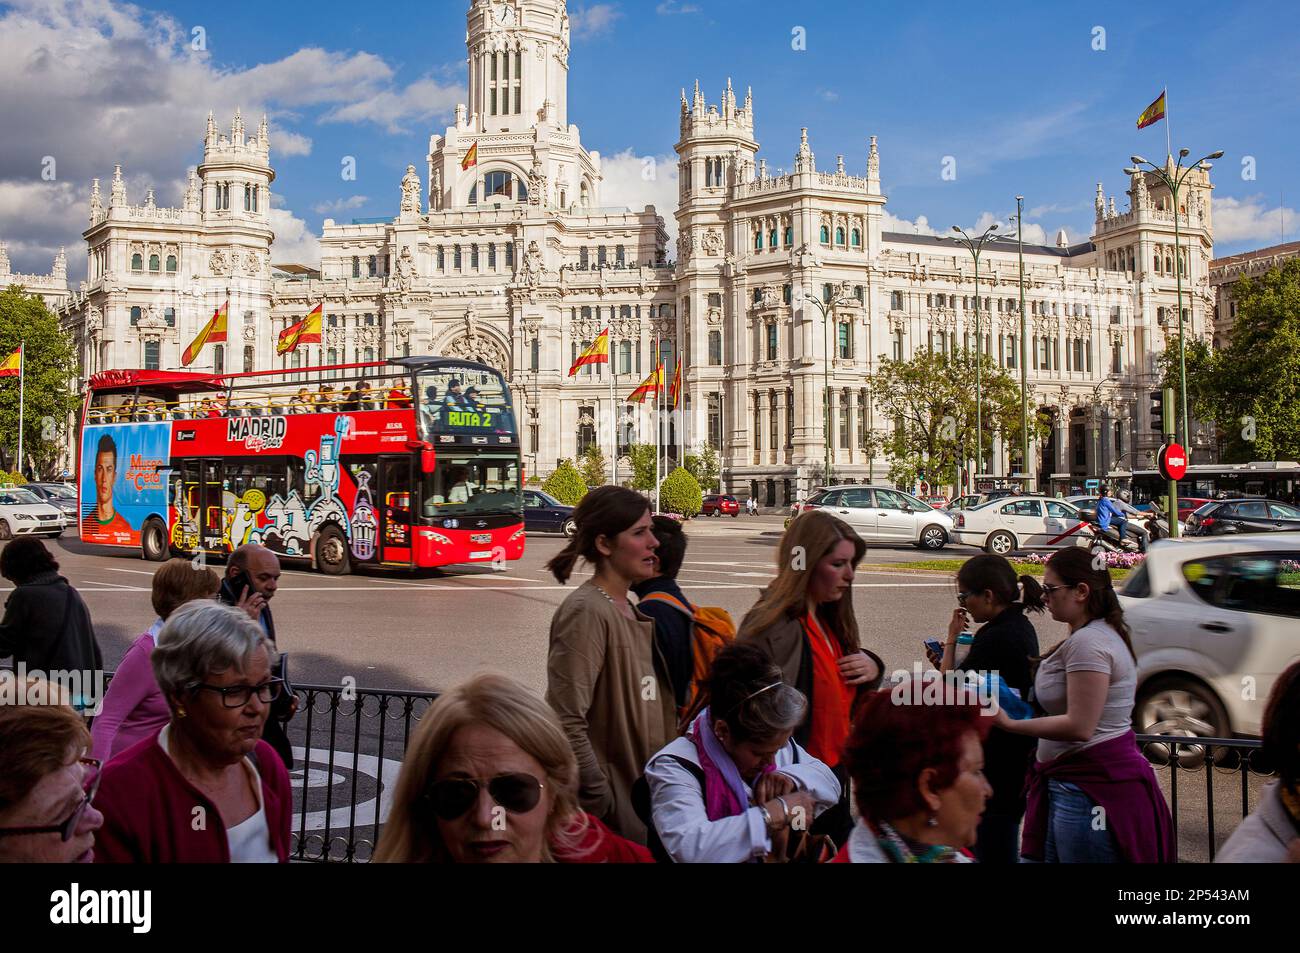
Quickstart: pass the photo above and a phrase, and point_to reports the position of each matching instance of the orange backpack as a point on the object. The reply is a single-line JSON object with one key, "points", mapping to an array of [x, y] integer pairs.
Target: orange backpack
{"points": [[712, 631]]}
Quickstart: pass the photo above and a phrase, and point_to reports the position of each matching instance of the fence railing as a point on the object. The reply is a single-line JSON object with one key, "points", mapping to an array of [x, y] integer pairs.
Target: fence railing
{"points": [[342, 795]]}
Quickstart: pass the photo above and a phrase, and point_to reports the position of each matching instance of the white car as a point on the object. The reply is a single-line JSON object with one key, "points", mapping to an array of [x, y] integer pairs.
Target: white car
{"points": [[1016, 523], [883, 515], [1214, 622], [23, 513]]}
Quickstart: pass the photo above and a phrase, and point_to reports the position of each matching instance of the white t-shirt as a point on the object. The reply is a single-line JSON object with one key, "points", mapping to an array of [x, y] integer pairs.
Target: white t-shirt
{"points": [[1094, 648]]}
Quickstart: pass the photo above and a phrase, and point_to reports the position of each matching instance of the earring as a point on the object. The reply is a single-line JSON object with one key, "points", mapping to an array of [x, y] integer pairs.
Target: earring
{"points": [[180, 711], [932, 821]]}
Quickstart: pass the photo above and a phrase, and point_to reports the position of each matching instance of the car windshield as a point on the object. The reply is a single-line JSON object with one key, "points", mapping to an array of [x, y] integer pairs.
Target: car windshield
{"points": [[472, 485], [17, 497], [546, 498], [60, 492], [1205, 508]]}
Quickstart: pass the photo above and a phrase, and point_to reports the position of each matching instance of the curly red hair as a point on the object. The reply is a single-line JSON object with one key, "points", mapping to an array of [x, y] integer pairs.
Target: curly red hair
{"points": [[892, 743]]}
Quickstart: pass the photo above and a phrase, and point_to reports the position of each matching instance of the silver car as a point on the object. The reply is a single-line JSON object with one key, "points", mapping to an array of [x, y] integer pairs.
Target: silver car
{"points": [[882, 514]]}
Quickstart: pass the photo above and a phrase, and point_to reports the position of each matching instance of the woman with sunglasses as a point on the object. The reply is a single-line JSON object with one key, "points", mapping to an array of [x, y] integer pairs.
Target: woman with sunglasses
{"points": [[1088, 764], [205, 788], [733, 788], [47, 785], [490, 778], [989, 593]]}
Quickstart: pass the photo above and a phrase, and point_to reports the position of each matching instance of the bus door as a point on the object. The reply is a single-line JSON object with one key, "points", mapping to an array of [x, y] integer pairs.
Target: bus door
{"points": [[396, 513], [212, 507]]}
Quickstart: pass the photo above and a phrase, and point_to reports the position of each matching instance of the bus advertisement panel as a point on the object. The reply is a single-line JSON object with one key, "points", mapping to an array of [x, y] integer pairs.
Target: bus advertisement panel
{"points": [[123, 480]]}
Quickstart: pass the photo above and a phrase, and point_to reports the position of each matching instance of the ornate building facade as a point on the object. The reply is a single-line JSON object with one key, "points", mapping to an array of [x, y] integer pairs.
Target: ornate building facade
{"points": [[513, 259]]}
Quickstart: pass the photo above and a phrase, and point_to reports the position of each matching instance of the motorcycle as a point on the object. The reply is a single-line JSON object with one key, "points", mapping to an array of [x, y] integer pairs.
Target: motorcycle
{"points": [[1137, 534]]}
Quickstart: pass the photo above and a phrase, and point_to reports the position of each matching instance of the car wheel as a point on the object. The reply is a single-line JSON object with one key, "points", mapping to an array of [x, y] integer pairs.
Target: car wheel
{"points": [[1183, 708], [153, 541], [735, 515], [569, 528], [1000, 543], [5, 531], [933, 538], [332, 557]]}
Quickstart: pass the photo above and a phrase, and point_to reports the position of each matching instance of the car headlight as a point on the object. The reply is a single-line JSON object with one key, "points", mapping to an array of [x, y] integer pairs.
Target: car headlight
{"points": [[518, 534], [439, 538], [24, 516]]}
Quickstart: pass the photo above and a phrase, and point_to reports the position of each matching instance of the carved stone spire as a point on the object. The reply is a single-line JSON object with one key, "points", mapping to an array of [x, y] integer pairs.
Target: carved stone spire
{"points": [[61, 265], [149, 199], [237, 129], [211, 138], [192, 191], [263, 134], [96, 202], [1100, 203], [4, 259], [804, 161], [873, 168], [117, 196]]}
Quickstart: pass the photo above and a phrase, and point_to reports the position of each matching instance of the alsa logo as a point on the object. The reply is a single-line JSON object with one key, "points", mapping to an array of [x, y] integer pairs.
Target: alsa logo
{"points": [[257, 433]]}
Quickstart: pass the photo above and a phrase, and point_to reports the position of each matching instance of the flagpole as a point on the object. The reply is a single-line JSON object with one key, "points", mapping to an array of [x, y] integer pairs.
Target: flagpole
{"points": [[1169, 149], [657, 419], [613, 413], [22, 370]]}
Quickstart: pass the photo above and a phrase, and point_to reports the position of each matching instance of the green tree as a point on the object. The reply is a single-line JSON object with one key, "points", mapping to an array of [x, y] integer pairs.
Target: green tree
{"points": [[592, 466], [704, 467], [49, 367], [680, 494], [1251, 387], [929, 404], [642, 456], [565, 484]]}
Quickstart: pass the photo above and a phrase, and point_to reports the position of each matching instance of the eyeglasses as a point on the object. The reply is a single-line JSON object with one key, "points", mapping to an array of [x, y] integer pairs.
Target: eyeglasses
{"points": [[963, 596], [1048, 590], [451, 798], [237, 696], [89, 785]]}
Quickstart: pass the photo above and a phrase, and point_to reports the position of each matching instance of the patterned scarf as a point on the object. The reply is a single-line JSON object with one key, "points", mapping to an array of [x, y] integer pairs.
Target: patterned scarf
{"points": [[725, 792], [896, 847]]}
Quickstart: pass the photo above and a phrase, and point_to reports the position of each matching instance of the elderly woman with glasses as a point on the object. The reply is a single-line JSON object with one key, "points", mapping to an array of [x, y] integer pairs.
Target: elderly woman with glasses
{"points": [[205, 788], [736, 785], [490, 778], [46, 785]]}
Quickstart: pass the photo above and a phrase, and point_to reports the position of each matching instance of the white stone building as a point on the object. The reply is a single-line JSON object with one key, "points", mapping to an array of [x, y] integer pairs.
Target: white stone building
{"points": [[514, 260]]}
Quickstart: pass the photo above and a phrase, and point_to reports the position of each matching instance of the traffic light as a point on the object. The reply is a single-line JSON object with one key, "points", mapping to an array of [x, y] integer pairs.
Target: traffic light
{"points": [[1158, 411]]}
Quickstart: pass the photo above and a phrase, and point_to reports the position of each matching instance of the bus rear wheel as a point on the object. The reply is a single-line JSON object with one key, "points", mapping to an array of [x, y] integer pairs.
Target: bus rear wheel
{"points": [[153, 540], [332, 556]]}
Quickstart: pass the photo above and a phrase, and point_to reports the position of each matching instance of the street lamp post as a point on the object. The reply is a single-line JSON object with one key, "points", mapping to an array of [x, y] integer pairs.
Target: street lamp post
{"points": [[825, 308], [1024, 354], [976, 246], [1174, 183]]}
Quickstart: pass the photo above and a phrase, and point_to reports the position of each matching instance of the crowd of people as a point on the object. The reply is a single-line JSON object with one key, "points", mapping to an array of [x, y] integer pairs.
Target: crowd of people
{"points": [[666, 733]]}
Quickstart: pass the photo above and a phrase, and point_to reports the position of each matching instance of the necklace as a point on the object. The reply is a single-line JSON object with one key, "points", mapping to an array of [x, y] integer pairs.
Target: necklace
{"points": [[900, 852], [624, 609]]}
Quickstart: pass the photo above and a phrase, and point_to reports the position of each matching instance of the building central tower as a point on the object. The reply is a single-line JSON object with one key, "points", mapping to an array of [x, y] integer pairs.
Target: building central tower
{"points": [[518, 64]]}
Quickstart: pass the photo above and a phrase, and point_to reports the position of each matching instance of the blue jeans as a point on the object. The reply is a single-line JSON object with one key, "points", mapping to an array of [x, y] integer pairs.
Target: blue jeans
{"points": [[1072, 834]]}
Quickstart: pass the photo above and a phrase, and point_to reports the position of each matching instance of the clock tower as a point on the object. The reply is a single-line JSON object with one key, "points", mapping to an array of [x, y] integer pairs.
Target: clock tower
{"points": [[518, 64]]}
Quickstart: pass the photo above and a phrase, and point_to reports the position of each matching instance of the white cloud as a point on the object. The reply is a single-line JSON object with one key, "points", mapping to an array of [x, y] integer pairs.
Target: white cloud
{"points": [[592, 21], [389, 108], [1248, 219], [295, 244], [40, 217], [672, 8], [340, 205], [921, 226], [637, 181]]}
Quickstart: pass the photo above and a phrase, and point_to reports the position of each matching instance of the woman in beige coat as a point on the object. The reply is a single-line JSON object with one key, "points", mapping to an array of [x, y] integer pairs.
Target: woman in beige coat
{"points": [[605, 676]]}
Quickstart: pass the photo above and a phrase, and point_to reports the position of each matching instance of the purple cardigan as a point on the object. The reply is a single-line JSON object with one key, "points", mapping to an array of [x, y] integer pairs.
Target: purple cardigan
{"points": [[1116, 776], [134, 707]]}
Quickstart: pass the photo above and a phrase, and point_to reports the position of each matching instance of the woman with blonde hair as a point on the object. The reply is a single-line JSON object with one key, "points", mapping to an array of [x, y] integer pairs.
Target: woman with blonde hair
{"points": [[134, 708], [490, 777], [806, 624]]}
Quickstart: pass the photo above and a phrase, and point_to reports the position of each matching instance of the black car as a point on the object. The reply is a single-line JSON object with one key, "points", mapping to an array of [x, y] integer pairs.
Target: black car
{"points": [[543, 513], [59, 495], [1243, 516]]}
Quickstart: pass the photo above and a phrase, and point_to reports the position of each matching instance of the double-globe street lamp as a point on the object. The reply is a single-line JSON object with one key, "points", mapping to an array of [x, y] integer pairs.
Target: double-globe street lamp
{"points": [[976, 247], [826, 308], [1173, 180]]}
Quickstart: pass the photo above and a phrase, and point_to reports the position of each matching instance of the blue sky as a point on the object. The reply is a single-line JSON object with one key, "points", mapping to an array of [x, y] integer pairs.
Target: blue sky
{"points": [[1017, 93]]}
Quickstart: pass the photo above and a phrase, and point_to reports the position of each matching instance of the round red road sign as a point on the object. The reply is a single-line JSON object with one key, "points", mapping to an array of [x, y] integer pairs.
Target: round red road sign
{"points": [[1173, 461]]}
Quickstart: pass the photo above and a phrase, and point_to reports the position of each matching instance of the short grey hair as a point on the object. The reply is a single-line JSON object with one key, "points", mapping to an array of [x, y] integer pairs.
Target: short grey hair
{"points": [[770, 712], [200, 638]]}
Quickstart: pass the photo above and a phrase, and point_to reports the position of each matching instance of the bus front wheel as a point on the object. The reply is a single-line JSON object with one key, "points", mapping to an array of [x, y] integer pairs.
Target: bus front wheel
{"points": [[332, 553], [153, 540]]}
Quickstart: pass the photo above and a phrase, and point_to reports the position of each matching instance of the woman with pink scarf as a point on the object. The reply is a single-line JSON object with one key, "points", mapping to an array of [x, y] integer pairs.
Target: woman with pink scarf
{"points": [[736, 785]]}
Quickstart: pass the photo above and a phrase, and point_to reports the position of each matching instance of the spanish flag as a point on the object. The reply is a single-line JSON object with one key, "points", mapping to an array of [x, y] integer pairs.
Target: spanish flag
{"points": [[1153, 113], [651, 385], [214, 332], [12, 366], [675, 392], [306, 331], [598, 353], [471, 158]]}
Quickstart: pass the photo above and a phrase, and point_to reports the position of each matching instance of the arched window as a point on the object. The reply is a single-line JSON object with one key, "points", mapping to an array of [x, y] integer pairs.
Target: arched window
{"points": [[839, 236], [155, 263], [715, 348], [137, 262], [826, 235], [248, 198], [473, 255], [504, 184], [758, 241], [356, 266], [442, 258], [846, 340], [171, 264], [135, 316], [771, 238], [492, 255], [510, 254], [585, 195], [771, 341], [857, 238], [789, 236], [455, 257]]}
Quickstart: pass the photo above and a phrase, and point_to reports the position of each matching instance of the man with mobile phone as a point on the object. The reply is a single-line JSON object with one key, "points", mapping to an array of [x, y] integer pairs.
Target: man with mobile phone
{"points": [[252, 576]]}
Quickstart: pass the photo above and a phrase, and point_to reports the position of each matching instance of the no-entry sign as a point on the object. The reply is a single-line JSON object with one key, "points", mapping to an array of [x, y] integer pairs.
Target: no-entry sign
{"points": [[1172, 461]]}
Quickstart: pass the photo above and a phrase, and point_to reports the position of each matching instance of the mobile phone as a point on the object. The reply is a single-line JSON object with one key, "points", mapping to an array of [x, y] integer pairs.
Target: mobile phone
{"points": [[934, 647], [239, 582]]}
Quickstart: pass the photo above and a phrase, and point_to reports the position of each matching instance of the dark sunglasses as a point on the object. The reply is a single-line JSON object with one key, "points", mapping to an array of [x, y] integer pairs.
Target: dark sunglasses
{"points": [[963, 596], [89, 784], [451, 798]]}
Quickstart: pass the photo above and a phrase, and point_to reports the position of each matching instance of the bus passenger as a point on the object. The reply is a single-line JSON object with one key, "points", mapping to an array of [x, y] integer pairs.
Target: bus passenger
{"points": [[453, 397], [398, 398], [362, 397], [325, 398], [301, 402], [347, 400], [471, 400]]}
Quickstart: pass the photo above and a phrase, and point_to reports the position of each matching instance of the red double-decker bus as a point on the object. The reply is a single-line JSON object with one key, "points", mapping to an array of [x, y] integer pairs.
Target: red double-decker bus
{"points": [[408, 463]]}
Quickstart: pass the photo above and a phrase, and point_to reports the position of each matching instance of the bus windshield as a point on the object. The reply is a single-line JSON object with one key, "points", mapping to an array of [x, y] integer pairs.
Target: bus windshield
{"points": [[472, 485], [458, 404]]}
